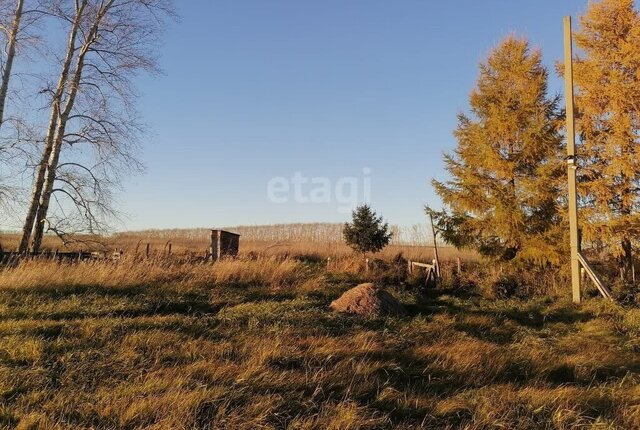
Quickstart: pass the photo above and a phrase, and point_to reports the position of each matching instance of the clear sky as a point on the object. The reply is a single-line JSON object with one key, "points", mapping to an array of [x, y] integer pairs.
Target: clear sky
{"points": [[366, 89]]}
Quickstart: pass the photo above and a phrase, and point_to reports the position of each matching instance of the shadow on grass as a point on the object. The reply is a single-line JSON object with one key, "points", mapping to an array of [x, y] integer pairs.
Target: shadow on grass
{"points": [[184, 308], [74, 290], [525, 313]]}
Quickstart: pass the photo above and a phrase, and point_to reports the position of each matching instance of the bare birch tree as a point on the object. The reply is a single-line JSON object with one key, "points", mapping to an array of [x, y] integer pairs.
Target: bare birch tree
{"points": [[56, 102], [16, 16], [12, 41], [93, 129]]}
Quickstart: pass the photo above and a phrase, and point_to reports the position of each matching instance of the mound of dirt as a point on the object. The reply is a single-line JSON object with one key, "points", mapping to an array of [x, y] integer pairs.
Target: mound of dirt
{"points": [[368, 300]]}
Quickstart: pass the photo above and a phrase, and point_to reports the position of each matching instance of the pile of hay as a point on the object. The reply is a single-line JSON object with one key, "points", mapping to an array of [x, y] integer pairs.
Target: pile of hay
{"points": [[368, 300]]}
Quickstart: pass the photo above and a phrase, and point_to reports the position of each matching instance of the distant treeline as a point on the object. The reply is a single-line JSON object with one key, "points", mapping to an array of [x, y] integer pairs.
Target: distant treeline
{"points": [[302, 232]]}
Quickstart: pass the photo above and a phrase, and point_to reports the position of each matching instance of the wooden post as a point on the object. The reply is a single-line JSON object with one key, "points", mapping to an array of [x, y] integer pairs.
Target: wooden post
{"points": [[435, 247], [147, 250], [459, 266], [571, 162], [410, 267]]}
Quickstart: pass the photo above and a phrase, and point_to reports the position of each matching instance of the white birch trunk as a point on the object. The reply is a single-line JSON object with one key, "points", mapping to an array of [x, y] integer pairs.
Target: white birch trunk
{"points": [[36, 193], [11, 53], [52, 165]]}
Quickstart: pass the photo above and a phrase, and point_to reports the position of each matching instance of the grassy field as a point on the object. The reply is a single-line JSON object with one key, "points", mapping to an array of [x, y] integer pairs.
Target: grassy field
{"points": [[251, 345], [198, 244]]}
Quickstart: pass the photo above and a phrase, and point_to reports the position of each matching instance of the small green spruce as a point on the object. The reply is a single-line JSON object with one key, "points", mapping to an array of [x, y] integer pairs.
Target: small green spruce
{"points": [[367, 232]]}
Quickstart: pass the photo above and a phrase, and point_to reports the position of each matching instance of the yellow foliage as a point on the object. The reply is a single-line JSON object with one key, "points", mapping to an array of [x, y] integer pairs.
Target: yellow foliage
{"points": [[607, 79], [506, 168]]}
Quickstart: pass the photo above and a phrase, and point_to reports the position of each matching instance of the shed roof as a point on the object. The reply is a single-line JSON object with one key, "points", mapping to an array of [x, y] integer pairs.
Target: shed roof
{"points": [[225, 231]]}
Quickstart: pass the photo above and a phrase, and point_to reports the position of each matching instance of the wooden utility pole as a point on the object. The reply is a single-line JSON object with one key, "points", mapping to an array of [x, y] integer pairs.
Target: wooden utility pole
{"points": [[571, 162], [578, 261]]}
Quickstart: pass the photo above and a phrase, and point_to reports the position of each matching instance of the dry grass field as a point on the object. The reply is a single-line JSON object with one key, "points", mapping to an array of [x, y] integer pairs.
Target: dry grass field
{"points": [[250, 344], [166, 329], [197, 244]]}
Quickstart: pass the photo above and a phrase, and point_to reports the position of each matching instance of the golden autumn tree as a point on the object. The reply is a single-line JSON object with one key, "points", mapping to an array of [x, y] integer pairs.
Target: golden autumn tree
{"points": [[502, 197], [607, 79]]}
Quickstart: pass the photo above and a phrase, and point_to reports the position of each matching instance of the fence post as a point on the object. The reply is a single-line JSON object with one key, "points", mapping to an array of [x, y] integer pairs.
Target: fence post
{"points": [[436, 258], [147, 250]]}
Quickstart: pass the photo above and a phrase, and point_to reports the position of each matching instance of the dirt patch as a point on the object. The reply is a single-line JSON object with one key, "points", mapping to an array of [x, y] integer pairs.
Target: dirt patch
{"points": [[368, 300]]}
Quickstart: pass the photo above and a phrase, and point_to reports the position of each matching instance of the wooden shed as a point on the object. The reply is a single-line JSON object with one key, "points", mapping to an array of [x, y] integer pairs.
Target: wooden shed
{"points": [[224, 244]]}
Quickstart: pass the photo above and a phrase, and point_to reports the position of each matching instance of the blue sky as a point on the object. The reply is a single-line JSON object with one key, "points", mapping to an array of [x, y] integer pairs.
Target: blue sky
{"points": [[258, 89]]}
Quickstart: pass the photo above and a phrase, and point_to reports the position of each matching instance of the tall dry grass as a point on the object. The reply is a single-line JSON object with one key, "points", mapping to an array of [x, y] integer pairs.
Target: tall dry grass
{"points": [[136, 243], [249, 344], [270, 272]]}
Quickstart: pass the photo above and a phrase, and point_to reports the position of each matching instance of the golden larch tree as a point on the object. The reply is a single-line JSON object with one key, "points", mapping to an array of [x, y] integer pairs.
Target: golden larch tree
{"points": [[506, 169], [607, 79]]}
